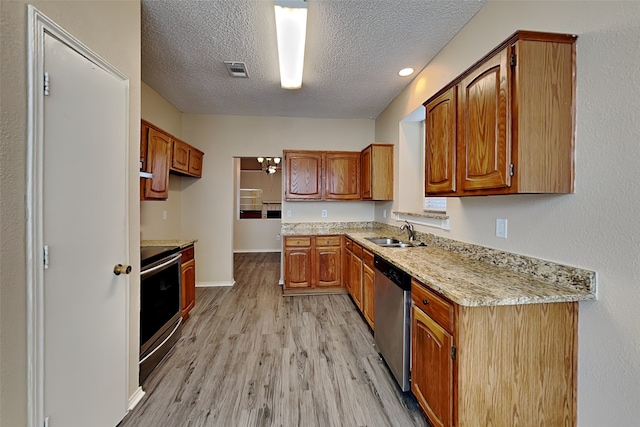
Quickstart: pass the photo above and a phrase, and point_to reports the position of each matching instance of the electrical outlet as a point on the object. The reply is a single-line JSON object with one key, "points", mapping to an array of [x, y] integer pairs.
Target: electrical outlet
{"points": [[384, 213], [501, 228], [164, 215], [324, 213], [277, 237], [288, 213]]}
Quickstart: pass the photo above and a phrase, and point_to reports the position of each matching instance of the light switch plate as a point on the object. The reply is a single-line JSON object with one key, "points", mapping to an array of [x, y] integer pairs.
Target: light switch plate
{"points": [[501, 228]]}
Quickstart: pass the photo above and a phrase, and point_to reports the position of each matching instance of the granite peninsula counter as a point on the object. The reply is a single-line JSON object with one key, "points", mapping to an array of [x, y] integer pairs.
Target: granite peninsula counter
{"points": [[182, 243], [468, 275]]}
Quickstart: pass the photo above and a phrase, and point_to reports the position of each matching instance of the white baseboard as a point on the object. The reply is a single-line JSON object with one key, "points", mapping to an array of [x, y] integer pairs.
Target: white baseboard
{"points": [[136, 397], [214, 284], [251, 251]]}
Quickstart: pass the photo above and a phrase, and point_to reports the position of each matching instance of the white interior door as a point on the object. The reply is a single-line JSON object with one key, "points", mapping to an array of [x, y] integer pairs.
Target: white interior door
{"points": [[85, 226]]}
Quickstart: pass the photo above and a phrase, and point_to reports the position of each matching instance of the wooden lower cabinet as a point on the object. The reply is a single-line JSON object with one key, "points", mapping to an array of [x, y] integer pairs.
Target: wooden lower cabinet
{"points": [[313, 264], [347, 243], [368, 278], [355, 275], [512, 365], [327, 262], [188, 280]]}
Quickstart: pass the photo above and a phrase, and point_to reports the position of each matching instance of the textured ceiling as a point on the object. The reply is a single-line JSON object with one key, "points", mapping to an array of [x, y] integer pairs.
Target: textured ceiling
{"points": [[354, 51]]}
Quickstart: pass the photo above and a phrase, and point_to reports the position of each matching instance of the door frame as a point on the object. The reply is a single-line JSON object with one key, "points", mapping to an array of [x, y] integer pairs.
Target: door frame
{"points": [[38, 25]]}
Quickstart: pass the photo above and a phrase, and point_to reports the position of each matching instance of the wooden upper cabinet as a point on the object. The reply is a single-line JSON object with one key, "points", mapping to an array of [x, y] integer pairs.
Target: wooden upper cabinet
{"points": [[195, 162], [342, 175], [158, 161], [515, 121], [185, 159], [485, 152], [161, 153], [440, 143], [180, 156], [377, 172], [303, 175]]}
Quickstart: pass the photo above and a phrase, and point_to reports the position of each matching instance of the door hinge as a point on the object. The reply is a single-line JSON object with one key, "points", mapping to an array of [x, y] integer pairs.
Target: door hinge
{"points": [[511, 169], [513, 61], [45, 255], [46, 84], [453, 353]]}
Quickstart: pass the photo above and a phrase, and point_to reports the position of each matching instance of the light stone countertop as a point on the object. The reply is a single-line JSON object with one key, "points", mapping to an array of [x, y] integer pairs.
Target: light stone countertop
{"points": [[182, 243], [506, 279]]}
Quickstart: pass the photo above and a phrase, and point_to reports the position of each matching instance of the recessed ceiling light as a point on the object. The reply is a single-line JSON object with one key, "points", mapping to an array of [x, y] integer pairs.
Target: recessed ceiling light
{"points": [[405, 72]]}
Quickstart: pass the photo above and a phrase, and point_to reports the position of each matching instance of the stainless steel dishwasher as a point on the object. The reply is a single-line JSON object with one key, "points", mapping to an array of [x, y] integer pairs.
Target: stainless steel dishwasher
{"points": [[392, 292]]}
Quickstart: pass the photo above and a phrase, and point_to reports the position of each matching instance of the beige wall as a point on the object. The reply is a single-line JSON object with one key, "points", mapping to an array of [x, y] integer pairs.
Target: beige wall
{"points": [[112, 30], [595, 228], [208, 203], [157, 110]]}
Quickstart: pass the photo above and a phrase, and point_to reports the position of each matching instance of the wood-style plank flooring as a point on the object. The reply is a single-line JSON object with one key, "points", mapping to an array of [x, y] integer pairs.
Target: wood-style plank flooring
{"points": [[250, 357]]}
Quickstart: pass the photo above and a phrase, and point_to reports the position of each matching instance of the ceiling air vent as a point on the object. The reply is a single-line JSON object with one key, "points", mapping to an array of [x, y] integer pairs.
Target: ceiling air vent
{"points": [[236, 69]]}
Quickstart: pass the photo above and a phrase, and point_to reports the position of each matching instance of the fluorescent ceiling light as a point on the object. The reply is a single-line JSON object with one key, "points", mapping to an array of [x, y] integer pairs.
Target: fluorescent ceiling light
{"points": [[405, 72], [291, 31]]}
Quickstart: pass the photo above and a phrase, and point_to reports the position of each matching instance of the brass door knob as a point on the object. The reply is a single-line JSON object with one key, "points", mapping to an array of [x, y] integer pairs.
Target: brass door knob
{"points": [[121, 269]]}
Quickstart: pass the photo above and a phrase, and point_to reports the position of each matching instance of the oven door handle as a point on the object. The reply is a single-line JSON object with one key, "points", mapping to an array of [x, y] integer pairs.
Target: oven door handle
{"points": [[161, 266], [163, 342]]}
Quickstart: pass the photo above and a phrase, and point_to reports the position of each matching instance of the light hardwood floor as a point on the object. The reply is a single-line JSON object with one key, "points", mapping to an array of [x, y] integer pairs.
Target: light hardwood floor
{"points": [[250, 357]]}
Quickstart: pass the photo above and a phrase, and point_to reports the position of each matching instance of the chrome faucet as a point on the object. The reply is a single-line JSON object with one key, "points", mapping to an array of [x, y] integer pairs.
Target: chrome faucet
{"points": [[410, 230]]}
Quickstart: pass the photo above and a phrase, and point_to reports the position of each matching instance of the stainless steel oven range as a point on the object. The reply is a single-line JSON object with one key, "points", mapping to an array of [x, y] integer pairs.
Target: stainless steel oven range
{"points": [[160, 310]]}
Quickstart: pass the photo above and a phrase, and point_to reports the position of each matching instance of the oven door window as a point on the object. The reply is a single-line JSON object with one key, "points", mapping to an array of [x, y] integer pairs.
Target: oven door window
{"points": [[159, 300]]}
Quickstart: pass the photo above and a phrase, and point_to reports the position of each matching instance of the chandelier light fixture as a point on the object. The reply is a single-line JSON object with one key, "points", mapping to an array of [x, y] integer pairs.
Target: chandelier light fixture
{"points": [[291, 32], [269, 164]]}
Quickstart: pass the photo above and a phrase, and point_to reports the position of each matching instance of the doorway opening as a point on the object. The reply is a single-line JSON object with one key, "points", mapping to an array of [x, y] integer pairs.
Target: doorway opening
{"points": [[258, 205]]}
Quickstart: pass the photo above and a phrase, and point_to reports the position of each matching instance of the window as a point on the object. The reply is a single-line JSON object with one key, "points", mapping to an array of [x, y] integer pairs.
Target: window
{"points": [[434, 204]]}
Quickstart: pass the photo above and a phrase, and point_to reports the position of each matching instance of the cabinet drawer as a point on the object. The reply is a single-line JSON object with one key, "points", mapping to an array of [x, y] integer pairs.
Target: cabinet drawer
{"points": [[328, 241], [433, 305], [367, 258], [348, 243], [187, 254], [297, 241], [357, 250]]}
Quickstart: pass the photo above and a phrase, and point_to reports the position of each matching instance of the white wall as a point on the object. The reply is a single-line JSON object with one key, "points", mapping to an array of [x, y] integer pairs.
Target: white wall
{"points": [[596, 228], [208, 203], [112, 30]]}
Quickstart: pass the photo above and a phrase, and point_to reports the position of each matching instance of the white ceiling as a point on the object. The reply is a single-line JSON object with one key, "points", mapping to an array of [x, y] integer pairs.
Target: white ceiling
{"points": [[354, 51]]}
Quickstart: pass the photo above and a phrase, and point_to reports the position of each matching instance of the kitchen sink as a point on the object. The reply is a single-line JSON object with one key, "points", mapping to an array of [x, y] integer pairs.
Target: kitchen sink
{"points": [[389, 242]]}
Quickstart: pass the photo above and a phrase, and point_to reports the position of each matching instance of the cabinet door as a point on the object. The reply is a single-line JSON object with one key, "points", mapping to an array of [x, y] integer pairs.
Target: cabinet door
{"points": [[158, 161], [346, 266], [327, 265], [303, 175], [432, 369], [297, 267], [365, 165], [188, 287], [485, 125], [342, 176], [367, 294], [440, 144], [180, 156], [195, 162], [355, 280]]}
